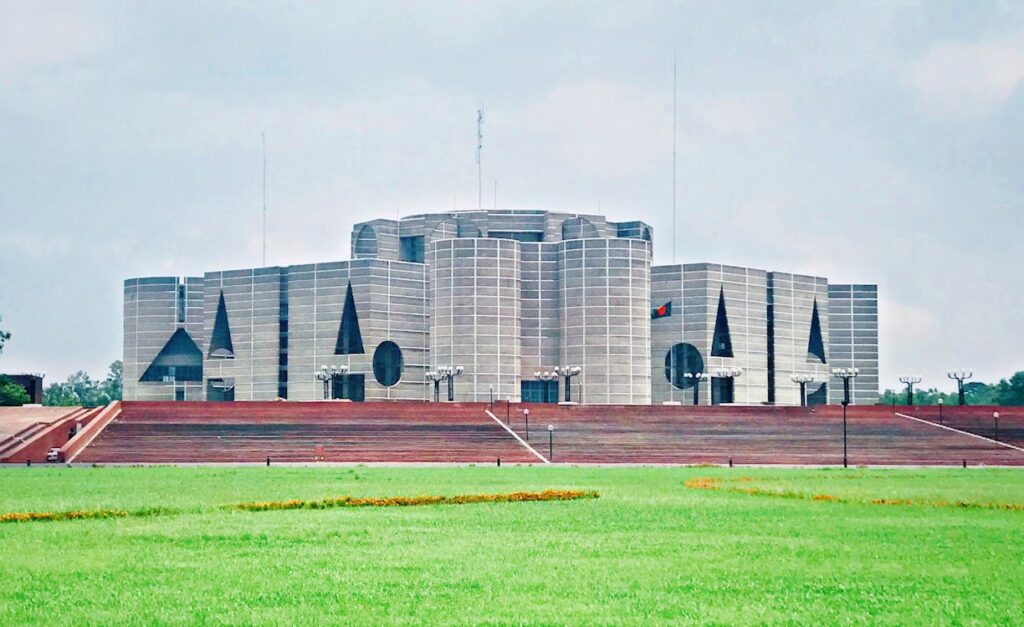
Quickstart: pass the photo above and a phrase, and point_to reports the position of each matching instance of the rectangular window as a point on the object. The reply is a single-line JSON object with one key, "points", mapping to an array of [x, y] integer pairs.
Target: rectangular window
{"points": [[519, 236], [539, 391], [411, 249]]}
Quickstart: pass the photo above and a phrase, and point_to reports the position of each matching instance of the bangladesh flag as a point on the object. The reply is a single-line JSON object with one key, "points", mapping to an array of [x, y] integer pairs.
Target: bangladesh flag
{"points": [[661, 312]]}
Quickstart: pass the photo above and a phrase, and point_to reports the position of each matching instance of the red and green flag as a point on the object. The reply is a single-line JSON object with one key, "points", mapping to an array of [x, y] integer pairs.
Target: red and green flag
{"points": [[661, 312]]}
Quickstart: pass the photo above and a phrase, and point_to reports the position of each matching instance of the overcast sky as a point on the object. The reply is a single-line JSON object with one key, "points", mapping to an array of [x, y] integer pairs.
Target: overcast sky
{"points": [[866, 142]]}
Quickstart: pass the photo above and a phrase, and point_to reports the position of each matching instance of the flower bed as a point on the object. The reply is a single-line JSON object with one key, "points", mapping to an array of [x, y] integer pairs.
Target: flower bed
{"points": [[723, 485], [410, 501], [342, 501]]}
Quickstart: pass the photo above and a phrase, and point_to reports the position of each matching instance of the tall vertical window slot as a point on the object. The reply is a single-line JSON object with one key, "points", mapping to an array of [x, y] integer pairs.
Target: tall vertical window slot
{"points": [[181, 303], [282, 337], [771, 339]]}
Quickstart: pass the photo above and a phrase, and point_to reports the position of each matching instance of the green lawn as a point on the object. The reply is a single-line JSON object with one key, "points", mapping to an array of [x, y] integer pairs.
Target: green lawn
{"points": [[648, 550]]}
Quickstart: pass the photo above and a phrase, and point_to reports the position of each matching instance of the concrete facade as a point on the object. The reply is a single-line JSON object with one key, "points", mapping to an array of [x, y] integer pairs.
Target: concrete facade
{"points": [[697, 292], [504, 294], [793, 299], [853, 314]]}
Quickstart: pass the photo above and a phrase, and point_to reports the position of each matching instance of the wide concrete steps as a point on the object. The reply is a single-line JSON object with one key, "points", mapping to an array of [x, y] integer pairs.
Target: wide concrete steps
{"points": [[303, 432], [749, 435]]}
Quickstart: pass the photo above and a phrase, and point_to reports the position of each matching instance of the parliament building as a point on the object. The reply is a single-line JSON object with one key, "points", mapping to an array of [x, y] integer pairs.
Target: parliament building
{"points": [[501, 304]]}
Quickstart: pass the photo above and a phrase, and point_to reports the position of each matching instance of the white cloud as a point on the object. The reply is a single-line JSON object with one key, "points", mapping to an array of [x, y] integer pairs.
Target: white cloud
{"points": [[742, 115], [969, 78], [36, 35]]}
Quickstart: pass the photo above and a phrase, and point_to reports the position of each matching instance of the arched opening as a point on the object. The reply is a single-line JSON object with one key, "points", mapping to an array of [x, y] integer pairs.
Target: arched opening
{"points": [[388, 363], [579, 228], [366, 243], [679, 360]]}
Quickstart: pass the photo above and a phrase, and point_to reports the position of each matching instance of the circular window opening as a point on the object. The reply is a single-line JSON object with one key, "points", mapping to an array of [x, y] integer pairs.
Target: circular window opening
{"points": [[387, 363], [679, 360]]}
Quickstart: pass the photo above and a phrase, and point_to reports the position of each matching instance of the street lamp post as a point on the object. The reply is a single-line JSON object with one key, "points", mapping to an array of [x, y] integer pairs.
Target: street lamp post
{"points": [[526, 418], [567, 373], [327, 374], [547, 378], [551, 442], [940, 409], [436, 377], [449, 373], [960, 376], [846, 374], [727, 373], [323, 376], [995, 417], [696, 377], [508, 410], [910, 382], [490, 390], [802, 380]]}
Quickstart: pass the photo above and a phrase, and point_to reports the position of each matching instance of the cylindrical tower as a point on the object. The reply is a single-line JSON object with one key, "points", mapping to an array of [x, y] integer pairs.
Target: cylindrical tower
{"points": [[606, 327], [475, 316]]}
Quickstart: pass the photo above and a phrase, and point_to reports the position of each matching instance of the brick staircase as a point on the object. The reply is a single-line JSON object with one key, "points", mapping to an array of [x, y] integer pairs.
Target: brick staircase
{"points": [[976, 419], [189, 432], [748, 435]]}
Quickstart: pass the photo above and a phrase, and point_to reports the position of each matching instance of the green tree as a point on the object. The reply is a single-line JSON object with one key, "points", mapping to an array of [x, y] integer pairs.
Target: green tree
{"points": [[4, 336], [1006, 392], [1011, 392], [111, 388], [12, 394], [81, 389]]}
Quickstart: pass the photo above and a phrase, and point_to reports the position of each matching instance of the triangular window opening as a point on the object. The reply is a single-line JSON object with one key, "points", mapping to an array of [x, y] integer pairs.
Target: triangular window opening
{"points": [[179, 360], [350, 339], [220, 341], [815, 345], [721, 341]]}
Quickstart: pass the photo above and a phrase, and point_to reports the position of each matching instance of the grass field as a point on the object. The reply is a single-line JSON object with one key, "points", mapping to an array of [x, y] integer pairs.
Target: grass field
{"points": [[649, 549]]}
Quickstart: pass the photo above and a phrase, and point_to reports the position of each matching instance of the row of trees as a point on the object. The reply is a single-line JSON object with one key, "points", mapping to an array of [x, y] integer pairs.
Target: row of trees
{"points": [[78, 389], [10, 392], [81, 389], [1006, 392]]}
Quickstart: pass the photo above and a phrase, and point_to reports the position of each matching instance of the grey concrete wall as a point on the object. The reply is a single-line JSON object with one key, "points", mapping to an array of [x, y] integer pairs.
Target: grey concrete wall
{"points": [[853, 319], [605, 325], [475, 314], [376, 239], [252, 300], [151, 316], [541, 308], [694, 290], [793, 298], [390, 299]]}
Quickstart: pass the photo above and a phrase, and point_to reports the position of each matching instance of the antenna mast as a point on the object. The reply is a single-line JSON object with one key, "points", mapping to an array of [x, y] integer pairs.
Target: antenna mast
{"points": [[263, 139], [479, 154], [674, 91]]}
